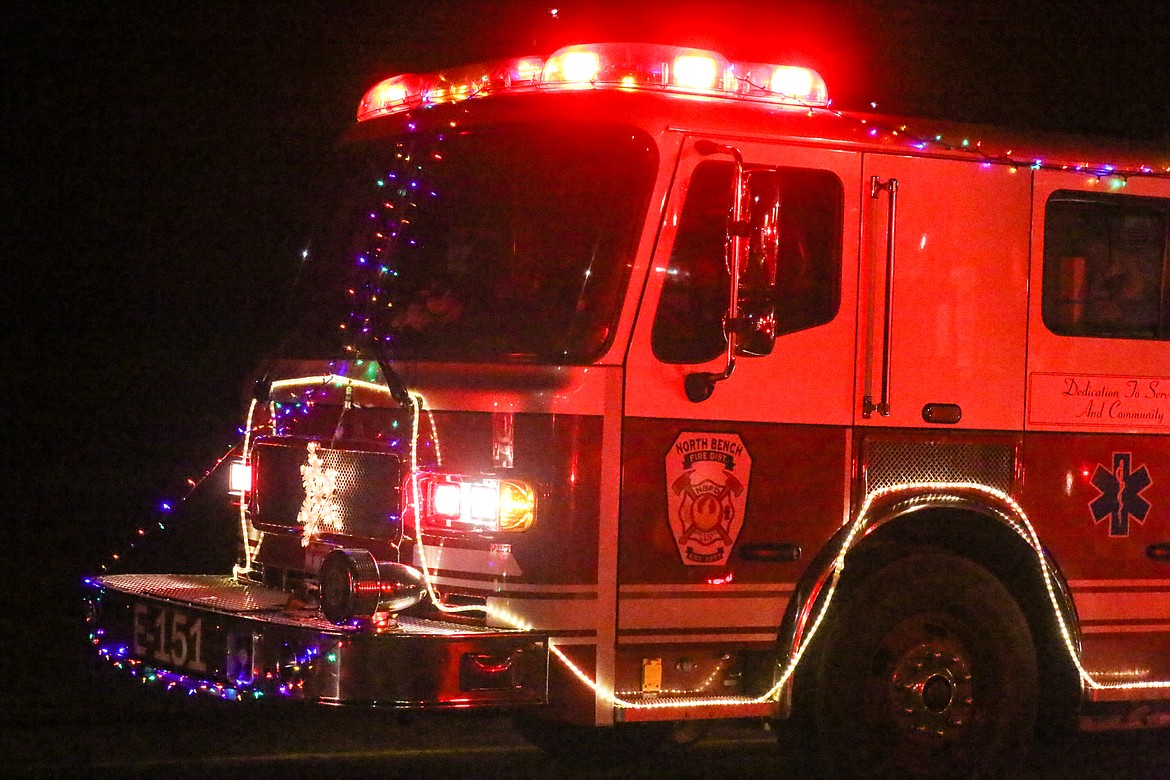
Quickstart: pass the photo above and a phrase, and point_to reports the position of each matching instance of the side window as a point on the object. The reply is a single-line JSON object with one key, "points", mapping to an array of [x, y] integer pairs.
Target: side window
{"points": [[1105, 266], [688, 326]]}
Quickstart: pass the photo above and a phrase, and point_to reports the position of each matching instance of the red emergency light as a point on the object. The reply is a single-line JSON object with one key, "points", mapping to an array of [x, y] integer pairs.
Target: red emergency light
{"points": [[604, 66]]}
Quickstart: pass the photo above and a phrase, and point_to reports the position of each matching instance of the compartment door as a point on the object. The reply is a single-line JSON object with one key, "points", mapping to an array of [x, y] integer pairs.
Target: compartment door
{"points": [[956, 300], [1097, 449]]}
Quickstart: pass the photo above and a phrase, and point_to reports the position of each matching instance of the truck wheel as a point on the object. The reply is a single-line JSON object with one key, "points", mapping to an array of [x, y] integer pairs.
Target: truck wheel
{"points": [[592, 746], [927, 670]]}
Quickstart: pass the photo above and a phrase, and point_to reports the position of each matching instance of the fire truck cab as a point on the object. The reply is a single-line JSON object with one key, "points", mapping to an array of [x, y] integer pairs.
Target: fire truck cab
{"points": [[632, 386]]}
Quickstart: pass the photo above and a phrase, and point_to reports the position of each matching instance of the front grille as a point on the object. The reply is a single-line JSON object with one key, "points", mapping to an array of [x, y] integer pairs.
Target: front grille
{"points": [[889, 463], [346, 492]]}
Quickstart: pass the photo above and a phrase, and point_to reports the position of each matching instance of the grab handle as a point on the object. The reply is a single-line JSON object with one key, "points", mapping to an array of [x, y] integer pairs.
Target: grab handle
{"points": [[868, 407]]}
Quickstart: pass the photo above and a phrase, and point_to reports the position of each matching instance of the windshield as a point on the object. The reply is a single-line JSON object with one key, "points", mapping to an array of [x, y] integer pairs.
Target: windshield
{"points": [[510, 244]]}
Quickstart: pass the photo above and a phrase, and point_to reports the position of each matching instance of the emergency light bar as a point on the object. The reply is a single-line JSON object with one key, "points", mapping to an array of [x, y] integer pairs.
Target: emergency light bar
{"points": [[604, 65]]}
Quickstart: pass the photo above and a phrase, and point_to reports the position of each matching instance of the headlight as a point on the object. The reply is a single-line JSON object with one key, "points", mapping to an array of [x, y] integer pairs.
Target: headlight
{"points": [[464, 503]]}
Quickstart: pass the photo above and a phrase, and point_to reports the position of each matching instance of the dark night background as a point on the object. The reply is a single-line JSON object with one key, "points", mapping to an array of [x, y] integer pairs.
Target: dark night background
{"points": [[158, 189]]}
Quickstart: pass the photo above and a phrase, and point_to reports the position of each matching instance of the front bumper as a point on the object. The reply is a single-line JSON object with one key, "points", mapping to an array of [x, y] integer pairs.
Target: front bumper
{"points": [[237, 640]]}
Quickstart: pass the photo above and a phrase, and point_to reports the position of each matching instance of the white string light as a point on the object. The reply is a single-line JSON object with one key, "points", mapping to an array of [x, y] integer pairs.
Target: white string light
{"points": [[1017, 520], [250, 553], [1019, 523], [419, 405]]}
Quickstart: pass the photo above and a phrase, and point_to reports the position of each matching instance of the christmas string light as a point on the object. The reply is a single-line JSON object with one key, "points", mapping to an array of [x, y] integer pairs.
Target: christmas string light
{"points": [[287, 680], [143, 533], [1019, 523], [872, 126], [359, 326], [118, 657], [1017, 520], [268, 685], [250, 553], [1119, 175], [419, 406], [1115, 177]]}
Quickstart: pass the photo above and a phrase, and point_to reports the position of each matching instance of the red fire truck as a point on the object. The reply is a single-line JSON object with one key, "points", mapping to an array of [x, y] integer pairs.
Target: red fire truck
{"points": [[633, 386]]}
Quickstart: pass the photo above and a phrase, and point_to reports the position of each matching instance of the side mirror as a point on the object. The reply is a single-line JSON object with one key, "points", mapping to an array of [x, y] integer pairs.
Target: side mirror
{"points": [[756, 323], [752, 252]]}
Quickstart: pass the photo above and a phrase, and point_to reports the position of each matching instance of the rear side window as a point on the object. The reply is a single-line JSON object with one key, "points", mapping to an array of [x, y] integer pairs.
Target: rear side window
{"points": [[1105, 266], [688, 326]]}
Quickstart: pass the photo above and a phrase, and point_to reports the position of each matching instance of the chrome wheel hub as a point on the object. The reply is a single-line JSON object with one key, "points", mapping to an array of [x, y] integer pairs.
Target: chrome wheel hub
{"points": [[931, 690]]}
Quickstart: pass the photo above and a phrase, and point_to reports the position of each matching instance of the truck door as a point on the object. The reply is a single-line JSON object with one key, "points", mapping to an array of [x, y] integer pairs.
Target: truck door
{"points": [[724, 500], [955, 298]]}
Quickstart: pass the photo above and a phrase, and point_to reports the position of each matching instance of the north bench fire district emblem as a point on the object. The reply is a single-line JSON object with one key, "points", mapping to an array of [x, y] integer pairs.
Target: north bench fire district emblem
{"points": [[707, 481]]}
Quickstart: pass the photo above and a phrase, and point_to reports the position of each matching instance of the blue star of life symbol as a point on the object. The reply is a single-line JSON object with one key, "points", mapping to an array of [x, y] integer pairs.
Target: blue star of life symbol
{"points": [[1120, 497]]}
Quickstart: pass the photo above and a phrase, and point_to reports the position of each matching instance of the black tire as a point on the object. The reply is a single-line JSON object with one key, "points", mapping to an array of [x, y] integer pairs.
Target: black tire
{"points": [[927, 670]]}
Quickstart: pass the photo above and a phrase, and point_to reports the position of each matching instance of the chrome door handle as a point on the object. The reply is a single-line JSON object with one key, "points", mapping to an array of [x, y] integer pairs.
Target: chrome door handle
{"points": [[868, 407]]}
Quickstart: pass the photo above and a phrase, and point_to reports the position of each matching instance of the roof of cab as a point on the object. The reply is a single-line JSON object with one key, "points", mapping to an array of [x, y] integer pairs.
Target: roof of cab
{"points": [[658, 111]]}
